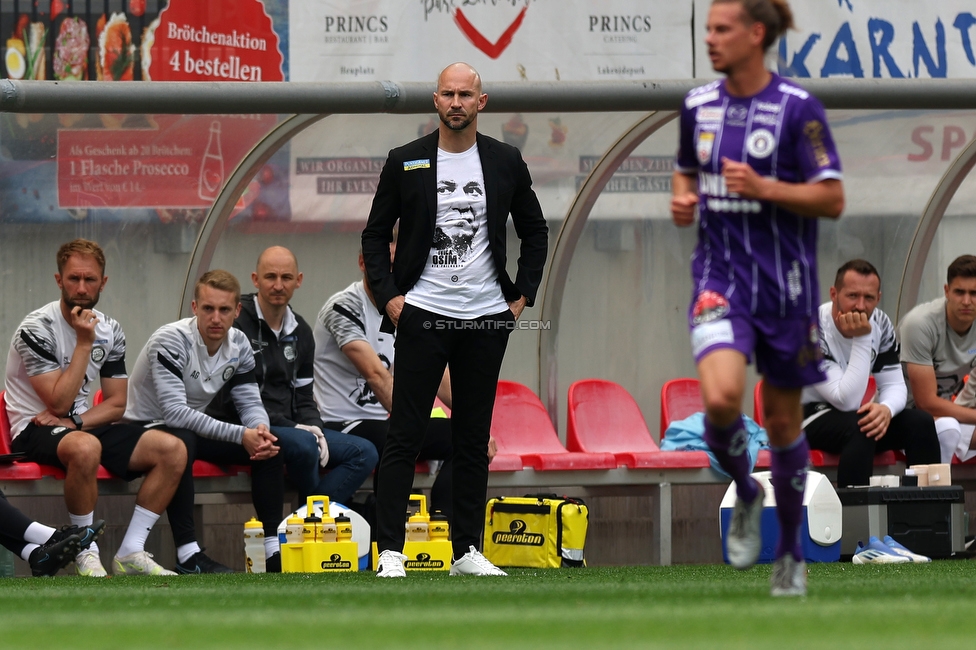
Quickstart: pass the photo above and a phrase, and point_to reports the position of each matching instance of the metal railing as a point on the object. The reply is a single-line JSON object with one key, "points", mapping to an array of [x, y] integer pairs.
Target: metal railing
{"points": [[310, 102]]}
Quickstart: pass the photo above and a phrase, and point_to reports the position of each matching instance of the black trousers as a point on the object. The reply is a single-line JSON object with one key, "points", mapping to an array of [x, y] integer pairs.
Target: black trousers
{"points": [[13, 525], [267, 483], [426, 343], [437, 446], [837, 432]]}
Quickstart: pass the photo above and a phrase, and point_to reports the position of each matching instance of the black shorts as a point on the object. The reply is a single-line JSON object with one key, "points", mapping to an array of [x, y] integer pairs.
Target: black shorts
{"points": [[118, 442]]}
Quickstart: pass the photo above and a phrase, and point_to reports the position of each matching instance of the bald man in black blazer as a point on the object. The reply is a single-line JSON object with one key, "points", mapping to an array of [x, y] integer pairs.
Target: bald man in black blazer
{"points": [[451, 300]]}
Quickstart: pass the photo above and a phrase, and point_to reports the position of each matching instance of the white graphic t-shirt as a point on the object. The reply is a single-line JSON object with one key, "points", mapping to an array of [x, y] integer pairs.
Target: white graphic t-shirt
{"points": [[460, 279]]}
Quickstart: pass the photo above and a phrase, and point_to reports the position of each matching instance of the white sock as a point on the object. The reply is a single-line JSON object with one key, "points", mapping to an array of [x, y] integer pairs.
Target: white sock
{"points": [[271, 546], [25, 554], [84, 520], [38, 533], [186, 551], [135, 536], [948, 432]]}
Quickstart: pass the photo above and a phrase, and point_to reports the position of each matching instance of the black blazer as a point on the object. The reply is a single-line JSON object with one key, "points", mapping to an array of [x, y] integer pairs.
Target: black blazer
{"points": [[407, 192]]}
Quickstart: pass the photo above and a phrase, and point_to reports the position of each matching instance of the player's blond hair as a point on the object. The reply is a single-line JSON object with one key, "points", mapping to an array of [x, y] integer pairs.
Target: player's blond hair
{"points": [[220, 280]]}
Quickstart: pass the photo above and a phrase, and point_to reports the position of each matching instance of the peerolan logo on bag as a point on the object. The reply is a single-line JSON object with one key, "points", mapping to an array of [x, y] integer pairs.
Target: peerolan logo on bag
{"points": [[335, 563], [517, 535], [423, 561]]}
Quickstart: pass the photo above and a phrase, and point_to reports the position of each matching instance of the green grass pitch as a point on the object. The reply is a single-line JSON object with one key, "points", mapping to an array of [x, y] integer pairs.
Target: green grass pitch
{"points": [[878, 607]]}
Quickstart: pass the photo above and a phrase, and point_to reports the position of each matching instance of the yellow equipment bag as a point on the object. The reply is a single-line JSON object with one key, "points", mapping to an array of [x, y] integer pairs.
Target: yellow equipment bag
{"points": [[537, 530]]}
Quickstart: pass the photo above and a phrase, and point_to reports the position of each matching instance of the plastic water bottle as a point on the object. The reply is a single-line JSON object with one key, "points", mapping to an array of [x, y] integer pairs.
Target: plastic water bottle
{"points": [[254, 546], [417, 526], [417, 523], [328, 528], [293, 530], [343, 528], [438, 529], [312, 529]]}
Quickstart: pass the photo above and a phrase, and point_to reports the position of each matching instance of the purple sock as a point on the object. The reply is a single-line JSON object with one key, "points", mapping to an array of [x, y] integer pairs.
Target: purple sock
{"points": [[729, 446], [789, 479]]}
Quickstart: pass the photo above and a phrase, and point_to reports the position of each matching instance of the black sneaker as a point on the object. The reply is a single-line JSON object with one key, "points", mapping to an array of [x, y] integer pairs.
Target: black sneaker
{"points": [[48, 559], [273, 564], [86, 534], [200, 563]]}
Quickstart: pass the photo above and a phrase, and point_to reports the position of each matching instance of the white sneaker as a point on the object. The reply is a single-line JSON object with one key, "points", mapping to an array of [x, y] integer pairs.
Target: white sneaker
{"points": [[789, 577], [745, 531], [474, 563], [88, 563], [139, 563], [391, 565]]}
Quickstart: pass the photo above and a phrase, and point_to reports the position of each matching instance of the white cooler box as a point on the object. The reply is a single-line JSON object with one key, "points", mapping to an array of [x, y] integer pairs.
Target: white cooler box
{"points": [[822, 524]]}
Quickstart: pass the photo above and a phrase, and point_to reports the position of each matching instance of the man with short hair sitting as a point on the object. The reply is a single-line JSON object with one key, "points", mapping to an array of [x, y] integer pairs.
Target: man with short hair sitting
{"points": [[858, 341]]}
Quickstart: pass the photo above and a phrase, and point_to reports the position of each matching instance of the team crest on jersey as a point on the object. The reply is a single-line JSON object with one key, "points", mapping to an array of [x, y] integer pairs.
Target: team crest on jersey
{"points": [[97, 354], [227, 373], [709, 306], [705, 143], [761, 143], [814, 334], [289, 351]]}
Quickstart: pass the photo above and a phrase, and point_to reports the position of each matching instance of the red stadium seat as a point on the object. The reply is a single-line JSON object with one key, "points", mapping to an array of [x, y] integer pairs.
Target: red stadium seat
{"points": [[603, 417], [679, 399], [17, 471], [521, 427]]}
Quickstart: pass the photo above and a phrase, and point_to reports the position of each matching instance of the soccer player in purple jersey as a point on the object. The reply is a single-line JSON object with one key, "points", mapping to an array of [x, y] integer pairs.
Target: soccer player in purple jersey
{"points": [[757, 162]]}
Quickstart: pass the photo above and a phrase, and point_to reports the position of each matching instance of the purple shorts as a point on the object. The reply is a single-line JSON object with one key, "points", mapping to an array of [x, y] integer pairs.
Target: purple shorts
{"points": [[787, 350]]}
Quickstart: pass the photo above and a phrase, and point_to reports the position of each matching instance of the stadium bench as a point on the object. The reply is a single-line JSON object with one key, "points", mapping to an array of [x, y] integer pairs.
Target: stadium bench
{"points": [[213, 484]]}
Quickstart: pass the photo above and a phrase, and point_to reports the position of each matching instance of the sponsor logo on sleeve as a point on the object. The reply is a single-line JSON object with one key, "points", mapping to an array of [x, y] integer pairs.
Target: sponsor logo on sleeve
{"points": [[814, 132], [793, 90]]}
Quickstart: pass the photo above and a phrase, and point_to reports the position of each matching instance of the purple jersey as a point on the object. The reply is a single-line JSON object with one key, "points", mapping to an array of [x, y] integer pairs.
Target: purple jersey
{"points": [[762, 258]]}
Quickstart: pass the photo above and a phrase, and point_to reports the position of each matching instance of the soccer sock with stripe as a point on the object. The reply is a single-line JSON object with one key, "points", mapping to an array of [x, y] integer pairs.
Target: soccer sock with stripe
{"points": [[789, 475], [729, 444]]}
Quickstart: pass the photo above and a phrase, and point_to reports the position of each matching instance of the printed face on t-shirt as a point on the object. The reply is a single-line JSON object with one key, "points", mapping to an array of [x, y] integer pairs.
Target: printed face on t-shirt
{"points": [[457, 234]]}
